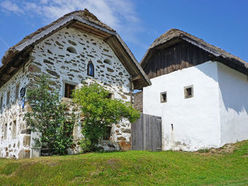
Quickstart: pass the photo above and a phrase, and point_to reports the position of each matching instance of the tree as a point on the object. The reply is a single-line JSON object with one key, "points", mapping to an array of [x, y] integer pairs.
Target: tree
{"points": [[48, 117], [100, 112]]}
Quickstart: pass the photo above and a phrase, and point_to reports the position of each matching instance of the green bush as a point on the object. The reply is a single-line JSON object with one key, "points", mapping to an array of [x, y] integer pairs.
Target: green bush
{"points": [[48, 117], [100, 112]]}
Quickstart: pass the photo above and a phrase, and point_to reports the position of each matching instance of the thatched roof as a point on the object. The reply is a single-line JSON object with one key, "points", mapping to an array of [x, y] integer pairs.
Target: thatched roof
{"points": [[85, 14], [82, 19], [179, 35]]}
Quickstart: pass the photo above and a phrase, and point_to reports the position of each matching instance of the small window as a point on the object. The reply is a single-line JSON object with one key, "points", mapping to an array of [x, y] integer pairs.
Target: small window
{"points": [[68, 90], [90, 69], [107, 133], [14, 130], [110, 96], [188, 92], [5, 131], [71, 50], [17, 91], [8, 97], [107, 61], [163, 97], [1, 103]]}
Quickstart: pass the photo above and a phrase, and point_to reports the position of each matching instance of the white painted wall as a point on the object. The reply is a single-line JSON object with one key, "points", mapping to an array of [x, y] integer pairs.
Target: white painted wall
{"points": [[233, 98], [195, 120]]}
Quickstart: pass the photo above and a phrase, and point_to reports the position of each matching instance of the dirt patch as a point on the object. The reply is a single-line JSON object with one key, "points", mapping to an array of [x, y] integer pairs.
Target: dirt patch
{"points": [[226, 149]]}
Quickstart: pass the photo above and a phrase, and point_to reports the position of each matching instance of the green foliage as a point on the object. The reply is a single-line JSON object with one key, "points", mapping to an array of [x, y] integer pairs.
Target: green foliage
{"points": [[48, 117], [99, 112]]}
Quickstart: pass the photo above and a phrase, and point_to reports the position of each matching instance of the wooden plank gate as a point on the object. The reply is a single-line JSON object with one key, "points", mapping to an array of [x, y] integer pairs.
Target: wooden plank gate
{"points": [[147, 133]]}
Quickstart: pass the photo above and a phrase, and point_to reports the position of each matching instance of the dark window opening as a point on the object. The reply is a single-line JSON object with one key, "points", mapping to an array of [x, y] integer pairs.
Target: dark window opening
{"points": [[110, 96], [163, 97], [188, 92], [14, 130], [68, 90], [107, 61], [107, 133], [8, 97], [5, 131], [1, 103], [17, 91], [90, 69], [71, 50]]}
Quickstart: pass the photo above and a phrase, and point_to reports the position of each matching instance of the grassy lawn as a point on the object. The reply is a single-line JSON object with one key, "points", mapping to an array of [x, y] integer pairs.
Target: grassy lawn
{"points": [[131, 168]]}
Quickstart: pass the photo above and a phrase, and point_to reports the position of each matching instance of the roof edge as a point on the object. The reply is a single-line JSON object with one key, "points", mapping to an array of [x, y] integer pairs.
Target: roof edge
{"points": [[176, 33]]}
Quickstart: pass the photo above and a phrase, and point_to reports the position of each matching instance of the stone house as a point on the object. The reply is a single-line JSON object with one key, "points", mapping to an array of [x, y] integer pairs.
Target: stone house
{"points": [[199, 90], [73, 48]]}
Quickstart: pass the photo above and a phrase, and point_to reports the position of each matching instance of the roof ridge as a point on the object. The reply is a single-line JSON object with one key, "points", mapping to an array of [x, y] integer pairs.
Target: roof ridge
{"points": [[85, 14], [174, 32]]}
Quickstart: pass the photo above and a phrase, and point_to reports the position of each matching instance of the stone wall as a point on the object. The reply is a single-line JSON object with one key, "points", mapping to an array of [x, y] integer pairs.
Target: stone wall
{"points": [[65, 56], [14, 136]]}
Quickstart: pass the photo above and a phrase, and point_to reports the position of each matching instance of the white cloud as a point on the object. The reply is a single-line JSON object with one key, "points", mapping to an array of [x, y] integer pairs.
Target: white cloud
{"points": [[118, 14], [11, 6], [114, 13]]}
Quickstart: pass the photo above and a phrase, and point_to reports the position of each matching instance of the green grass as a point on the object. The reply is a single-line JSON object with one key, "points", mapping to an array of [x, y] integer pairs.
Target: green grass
{"points": [[131, 168]]}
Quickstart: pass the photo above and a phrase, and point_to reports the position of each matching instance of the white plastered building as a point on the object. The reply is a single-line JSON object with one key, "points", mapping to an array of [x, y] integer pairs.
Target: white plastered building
{"points": [[199, 91]]}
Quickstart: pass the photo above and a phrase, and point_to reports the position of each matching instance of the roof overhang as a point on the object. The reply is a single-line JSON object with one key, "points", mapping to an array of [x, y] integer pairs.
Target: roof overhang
{"points": [[229, 60], [15, 56]]}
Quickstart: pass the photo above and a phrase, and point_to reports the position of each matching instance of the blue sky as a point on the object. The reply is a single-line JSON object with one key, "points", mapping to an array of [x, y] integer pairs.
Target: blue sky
{"points": [[223, 23]]}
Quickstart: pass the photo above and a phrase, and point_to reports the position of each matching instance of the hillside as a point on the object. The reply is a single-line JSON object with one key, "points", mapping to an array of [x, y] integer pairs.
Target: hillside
{"points": [[228, 165]]}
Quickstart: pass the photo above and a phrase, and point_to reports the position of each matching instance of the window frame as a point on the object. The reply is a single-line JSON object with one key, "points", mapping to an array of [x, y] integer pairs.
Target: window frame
{"points": [[13, 129], [5, 131], [90, 64], [64, 91], [8, 98], [1, 102], [186, 95], [162, 98]]}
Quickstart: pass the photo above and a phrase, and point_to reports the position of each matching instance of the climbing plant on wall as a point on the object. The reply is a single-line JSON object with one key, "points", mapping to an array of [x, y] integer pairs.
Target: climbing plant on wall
{"points": [[100, 112], [48, 117]]}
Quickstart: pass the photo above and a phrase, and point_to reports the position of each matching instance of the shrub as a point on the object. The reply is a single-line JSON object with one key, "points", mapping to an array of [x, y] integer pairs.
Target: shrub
{"points": [[100, 112], [48, 117]]}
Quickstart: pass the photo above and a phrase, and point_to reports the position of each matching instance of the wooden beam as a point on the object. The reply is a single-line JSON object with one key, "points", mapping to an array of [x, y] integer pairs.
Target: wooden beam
{"points": [[87, 28], [5, 77], [136, 78], [11, 69]]}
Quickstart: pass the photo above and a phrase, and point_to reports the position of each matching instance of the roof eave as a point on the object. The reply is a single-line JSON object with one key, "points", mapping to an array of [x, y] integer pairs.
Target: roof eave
{"points": [[130, 54], [13, 52]]}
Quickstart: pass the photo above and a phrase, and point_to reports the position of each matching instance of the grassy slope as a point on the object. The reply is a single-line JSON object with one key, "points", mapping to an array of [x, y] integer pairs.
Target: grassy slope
{"points": [[131, 167]]}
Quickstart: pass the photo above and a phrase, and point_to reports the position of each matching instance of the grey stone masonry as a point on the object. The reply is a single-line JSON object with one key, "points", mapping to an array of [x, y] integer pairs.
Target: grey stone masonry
{"points": [[64, 56]]}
